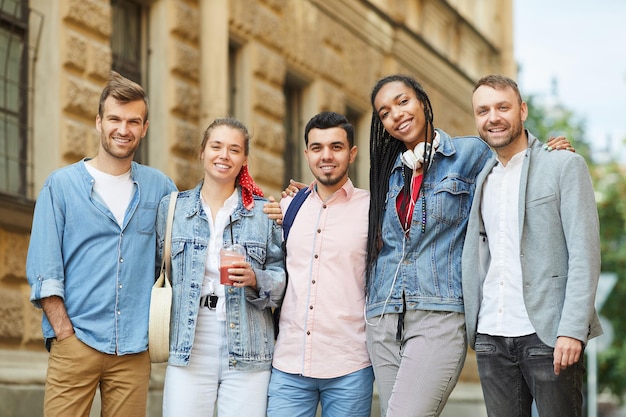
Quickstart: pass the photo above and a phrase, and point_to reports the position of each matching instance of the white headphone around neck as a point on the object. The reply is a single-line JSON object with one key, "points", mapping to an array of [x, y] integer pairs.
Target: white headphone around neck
{"points": [[414, 158], [410, 159]]}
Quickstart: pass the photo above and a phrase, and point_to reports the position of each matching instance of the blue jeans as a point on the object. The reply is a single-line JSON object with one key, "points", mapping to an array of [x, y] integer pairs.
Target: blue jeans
{"points": [[292, 395], [515, 370]]}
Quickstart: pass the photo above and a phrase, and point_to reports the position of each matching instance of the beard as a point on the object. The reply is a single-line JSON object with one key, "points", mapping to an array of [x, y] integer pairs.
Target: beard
{"points": [[515, 131], [108, 144], [330, 180]]}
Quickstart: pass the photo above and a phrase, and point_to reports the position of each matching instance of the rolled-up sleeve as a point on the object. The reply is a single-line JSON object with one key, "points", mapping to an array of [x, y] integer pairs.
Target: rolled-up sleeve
{"points": [[44, 262], [271, 280]]}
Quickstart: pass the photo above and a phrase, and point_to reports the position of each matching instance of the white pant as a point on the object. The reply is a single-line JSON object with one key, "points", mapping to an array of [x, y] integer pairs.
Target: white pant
{"points": [[194, 390]]}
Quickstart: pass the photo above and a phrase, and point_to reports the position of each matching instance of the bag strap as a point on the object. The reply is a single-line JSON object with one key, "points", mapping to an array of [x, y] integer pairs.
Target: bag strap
{"points": [[167, 261], [292, 210], [288, 218]]}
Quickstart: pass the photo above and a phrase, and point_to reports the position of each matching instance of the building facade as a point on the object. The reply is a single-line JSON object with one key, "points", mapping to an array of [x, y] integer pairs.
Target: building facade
{"points": [[270, 63]]}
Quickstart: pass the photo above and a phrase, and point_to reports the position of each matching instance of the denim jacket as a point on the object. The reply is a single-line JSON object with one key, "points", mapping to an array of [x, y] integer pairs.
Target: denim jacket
{"points": [[103, 272], [250, 331], [425, 267]]}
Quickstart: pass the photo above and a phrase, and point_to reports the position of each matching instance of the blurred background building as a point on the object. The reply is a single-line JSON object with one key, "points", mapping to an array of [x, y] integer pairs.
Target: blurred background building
{"points": [[271, 63]]}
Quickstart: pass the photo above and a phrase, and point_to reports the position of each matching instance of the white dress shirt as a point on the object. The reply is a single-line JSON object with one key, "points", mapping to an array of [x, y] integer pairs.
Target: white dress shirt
{"points": [[211, 283], [502, 310]]}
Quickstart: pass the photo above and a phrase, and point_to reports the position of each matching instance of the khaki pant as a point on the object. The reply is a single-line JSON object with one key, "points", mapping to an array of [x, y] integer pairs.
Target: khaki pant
{"points": [[74, 372]]}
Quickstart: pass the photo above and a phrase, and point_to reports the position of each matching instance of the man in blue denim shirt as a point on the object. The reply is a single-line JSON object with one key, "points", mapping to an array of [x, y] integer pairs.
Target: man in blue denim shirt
{"points": [[92, 261]]}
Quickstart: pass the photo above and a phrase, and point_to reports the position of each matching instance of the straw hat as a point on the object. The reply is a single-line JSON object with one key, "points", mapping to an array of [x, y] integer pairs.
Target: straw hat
{"points": [[159, 329]]}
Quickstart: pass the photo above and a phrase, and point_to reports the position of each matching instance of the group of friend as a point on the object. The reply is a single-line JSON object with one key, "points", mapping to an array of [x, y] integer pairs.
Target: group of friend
{"points": [[490, 240]]}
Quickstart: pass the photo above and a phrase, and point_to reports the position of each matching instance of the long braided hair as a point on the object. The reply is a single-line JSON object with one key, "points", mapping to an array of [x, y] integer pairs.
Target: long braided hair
{"points": [[384, 150]]}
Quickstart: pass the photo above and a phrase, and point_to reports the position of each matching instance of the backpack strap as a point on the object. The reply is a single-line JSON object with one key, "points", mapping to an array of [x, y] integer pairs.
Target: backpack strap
{"points": [[292, 210], [288, 218]]}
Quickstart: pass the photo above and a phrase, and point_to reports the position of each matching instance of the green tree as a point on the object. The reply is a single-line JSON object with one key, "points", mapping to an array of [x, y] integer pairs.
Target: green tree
{"points": [[610, 186], [546, 120]]}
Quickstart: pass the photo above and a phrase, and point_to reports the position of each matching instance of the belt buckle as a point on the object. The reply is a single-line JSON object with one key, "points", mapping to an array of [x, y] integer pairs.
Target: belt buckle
{"points": [[209, 301]]}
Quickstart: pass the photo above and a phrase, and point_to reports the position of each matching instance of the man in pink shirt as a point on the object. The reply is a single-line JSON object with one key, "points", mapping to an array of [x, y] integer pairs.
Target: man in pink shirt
{"points": [[321, 355]]}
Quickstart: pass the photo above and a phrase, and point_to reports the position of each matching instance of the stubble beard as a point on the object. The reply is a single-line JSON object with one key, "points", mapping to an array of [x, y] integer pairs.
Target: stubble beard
{"points": [[515, 132], [108, 144]]}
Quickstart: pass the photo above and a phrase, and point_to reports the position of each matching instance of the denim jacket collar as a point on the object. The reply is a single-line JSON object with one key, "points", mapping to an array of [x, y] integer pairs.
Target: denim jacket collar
{"points": [[196, 207]]}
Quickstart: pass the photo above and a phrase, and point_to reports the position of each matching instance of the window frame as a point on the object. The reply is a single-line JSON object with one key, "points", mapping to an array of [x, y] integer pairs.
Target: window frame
{"points": [[15, 24], [132, 14]]}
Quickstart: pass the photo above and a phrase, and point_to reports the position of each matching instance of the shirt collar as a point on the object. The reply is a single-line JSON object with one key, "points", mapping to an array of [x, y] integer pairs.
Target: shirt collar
{"points": [[347, 189]]}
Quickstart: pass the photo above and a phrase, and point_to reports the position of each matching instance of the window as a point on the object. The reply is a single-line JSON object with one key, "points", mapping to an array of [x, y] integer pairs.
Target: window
{"points": [[294, 130], [234, 79], [13, 97], [129, 49], [354, 117]]}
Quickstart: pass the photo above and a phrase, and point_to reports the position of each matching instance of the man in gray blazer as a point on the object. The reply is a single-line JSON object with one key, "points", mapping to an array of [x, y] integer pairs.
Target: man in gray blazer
{"points": [[531, 264]]}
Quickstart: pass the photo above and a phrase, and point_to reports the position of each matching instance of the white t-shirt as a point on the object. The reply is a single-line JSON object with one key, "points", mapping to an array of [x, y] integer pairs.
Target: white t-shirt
{"points": [[115, 190]]}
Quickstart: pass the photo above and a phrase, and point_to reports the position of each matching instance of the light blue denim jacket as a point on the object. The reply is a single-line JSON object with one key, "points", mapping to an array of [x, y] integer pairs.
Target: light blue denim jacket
{"points": [[249, 326], [103, 272], [428, 275]]}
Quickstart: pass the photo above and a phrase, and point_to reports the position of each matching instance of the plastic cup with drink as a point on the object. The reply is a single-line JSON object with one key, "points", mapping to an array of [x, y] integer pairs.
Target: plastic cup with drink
{"points": [[230, 254]]}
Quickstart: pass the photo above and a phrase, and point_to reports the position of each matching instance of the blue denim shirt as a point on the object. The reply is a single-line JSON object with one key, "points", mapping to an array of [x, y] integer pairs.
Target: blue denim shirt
{"points": [[249, 326], [103, 272], [425, 268]]}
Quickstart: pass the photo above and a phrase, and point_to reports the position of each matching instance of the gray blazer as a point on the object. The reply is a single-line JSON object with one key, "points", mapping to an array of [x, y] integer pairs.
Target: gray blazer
{"points": [[559, 246]]}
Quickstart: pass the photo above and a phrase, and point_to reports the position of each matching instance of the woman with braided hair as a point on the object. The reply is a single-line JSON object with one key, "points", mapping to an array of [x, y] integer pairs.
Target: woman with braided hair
{"points": [[422, 183]]}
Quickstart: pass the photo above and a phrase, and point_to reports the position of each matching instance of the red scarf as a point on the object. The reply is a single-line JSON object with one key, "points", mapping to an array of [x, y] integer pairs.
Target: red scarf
{"points": [[248, 188]]}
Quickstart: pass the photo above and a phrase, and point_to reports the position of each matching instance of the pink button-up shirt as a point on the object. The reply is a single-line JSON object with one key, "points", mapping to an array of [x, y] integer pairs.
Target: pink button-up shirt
{"points": [[322, 328]]}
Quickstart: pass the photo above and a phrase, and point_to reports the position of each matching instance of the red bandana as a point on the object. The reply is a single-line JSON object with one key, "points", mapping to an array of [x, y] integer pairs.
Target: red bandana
{"points": [[248, 188]]}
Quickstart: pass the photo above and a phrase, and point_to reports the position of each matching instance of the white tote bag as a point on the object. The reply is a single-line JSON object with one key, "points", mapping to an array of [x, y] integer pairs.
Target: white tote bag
{"points": [[161, 298]]}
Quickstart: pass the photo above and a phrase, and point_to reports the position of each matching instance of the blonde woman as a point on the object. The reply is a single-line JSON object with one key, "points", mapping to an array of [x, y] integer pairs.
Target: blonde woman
{"points": [[222, 336]]}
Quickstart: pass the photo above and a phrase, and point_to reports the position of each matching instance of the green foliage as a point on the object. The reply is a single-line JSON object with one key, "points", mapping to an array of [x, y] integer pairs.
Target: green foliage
{"points": [[610, 187], [544, 121]]}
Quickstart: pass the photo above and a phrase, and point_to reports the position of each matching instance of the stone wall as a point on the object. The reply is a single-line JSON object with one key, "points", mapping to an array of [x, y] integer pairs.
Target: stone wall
{"points": [[337, 49]]}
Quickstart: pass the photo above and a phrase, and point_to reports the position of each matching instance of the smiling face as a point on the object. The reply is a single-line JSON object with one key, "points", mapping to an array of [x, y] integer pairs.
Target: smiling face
{"points": [[401, 113], [499, 118], [121, 127], [223, 154], [329, 156]]}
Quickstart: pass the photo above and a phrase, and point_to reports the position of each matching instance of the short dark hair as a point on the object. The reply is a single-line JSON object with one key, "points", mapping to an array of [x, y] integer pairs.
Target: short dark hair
{"points": [[499, 82], [123, 90], [327, 120]]}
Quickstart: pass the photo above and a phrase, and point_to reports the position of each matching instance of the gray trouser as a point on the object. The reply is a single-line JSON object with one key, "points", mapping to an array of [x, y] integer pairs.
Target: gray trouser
{"points": [[416, 375]]}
